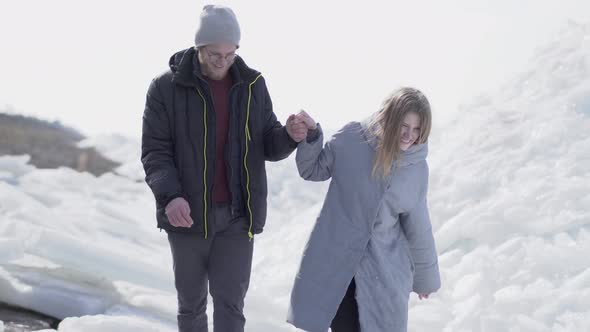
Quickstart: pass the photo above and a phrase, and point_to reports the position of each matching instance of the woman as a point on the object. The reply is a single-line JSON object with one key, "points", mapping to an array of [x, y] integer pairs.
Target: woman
{"points": [[372, 243]]}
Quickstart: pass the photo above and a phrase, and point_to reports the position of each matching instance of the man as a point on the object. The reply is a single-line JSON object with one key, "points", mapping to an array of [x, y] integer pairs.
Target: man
{"points": [[208, 128]]}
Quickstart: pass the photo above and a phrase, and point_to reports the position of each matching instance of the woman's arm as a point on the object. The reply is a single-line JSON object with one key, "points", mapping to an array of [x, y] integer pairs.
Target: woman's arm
{"points": [[418, 231], [315, 161]]}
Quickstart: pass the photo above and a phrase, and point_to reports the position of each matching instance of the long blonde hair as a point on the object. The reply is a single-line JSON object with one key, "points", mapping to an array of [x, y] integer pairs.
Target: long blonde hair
{"points": [[386, 126]]}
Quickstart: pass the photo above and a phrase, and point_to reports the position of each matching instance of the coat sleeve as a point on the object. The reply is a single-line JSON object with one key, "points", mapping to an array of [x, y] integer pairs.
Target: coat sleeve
{"points": [[278, 144], [157, 149], [418, 230], [314, 162]]}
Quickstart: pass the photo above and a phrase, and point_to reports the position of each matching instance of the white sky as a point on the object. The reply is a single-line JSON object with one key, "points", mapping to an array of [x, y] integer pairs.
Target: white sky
{"points": [[89, 63]]}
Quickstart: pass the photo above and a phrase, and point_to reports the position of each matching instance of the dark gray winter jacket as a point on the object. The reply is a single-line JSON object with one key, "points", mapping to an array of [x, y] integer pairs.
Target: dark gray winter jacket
{"points": [[178, 142]]}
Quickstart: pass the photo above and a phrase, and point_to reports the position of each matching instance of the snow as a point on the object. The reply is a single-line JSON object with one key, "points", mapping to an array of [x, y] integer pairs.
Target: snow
{"points": [[101, 323], [509, 198]]}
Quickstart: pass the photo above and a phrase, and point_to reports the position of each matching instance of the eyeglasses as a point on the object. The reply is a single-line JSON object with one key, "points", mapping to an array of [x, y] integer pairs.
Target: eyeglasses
{"points": [[216, 57]]}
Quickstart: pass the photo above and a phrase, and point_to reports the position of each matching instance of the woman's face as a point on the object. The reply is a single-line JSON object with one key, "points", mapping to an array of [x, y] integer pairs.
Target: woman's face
{"points": [[410, 131]]}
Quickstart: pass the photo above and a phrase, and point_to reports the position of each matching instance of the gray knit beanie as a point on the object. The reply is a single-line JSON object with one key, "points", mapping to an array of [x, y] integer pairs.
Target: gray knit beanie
{"points": [[217, 24]]}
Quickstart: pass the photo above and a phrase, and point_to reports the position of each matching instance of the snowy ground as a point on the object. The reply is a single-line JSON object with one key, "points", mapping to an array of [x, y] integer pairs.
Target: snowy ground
{"points": [[509, 198]]}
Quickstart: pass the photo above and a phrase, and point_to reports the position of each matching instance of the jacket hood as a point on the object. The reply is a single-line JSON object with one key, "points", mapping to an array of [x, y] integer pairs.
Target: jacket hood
{"points": [[415, 154], [186, 70]]}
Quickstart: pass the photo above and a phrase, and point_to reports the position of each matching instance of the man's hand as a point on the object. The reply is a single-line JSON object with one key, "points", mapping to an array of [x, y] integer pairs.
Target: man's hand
{"points": [[179, 213], [296, 128], [423, 296]]}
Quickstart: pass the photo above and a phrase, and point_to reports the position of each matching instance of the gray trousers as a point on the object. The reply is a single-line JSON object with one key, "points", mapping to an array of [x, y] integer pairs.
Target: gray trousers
{"points": [[224, 261]]}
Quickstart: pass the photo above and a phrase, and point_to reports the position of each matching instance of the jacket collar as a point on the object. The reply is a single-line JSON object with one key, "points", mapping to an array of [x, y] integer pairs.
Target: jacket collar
{"points": [[186, 69]]}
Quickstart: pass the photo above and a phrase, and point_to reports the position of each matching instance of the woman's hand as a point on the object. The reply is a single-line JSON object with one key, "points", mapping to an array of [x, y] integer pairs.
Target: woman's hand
{"points": [[423, 296], [305, 118]]}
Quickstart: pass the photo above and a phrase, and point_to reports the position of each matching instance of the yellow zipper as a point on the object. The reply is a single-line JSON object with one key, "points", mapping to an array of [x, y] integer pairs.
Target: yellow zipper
{"points": [[205, 159], [248, 139]]}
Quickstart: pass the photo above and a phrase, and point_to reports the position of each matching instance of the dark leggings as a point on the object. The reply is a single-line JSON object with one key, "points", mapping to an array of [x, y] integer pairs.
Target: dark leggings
{"points": [[347, 316]]}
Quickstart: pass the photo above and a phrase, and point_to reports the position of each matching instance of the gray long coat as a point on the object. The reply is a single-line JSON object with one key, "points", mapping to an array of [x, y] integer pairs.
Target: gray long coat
{"points": [[377, 231]]}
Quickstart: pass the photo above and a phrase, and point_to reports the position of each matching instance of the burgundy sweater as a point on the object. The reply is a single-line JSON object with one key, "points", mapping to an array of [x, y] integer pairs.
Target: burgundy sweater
{"points": [[220, 93]]}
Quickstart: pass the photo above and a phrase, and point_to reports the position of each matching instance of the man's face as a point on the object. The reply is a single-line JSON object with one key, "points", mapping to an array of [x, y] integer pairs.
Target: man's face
{"points": [[216, 59]]}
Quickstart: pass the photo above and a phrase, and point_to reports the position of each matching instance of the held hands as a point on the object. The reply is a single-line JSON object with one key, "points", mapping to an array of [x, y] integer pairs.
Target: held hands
{"points": [[423, 296], [296, 128], [305, 118], [298, 125], [179, 213]]}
